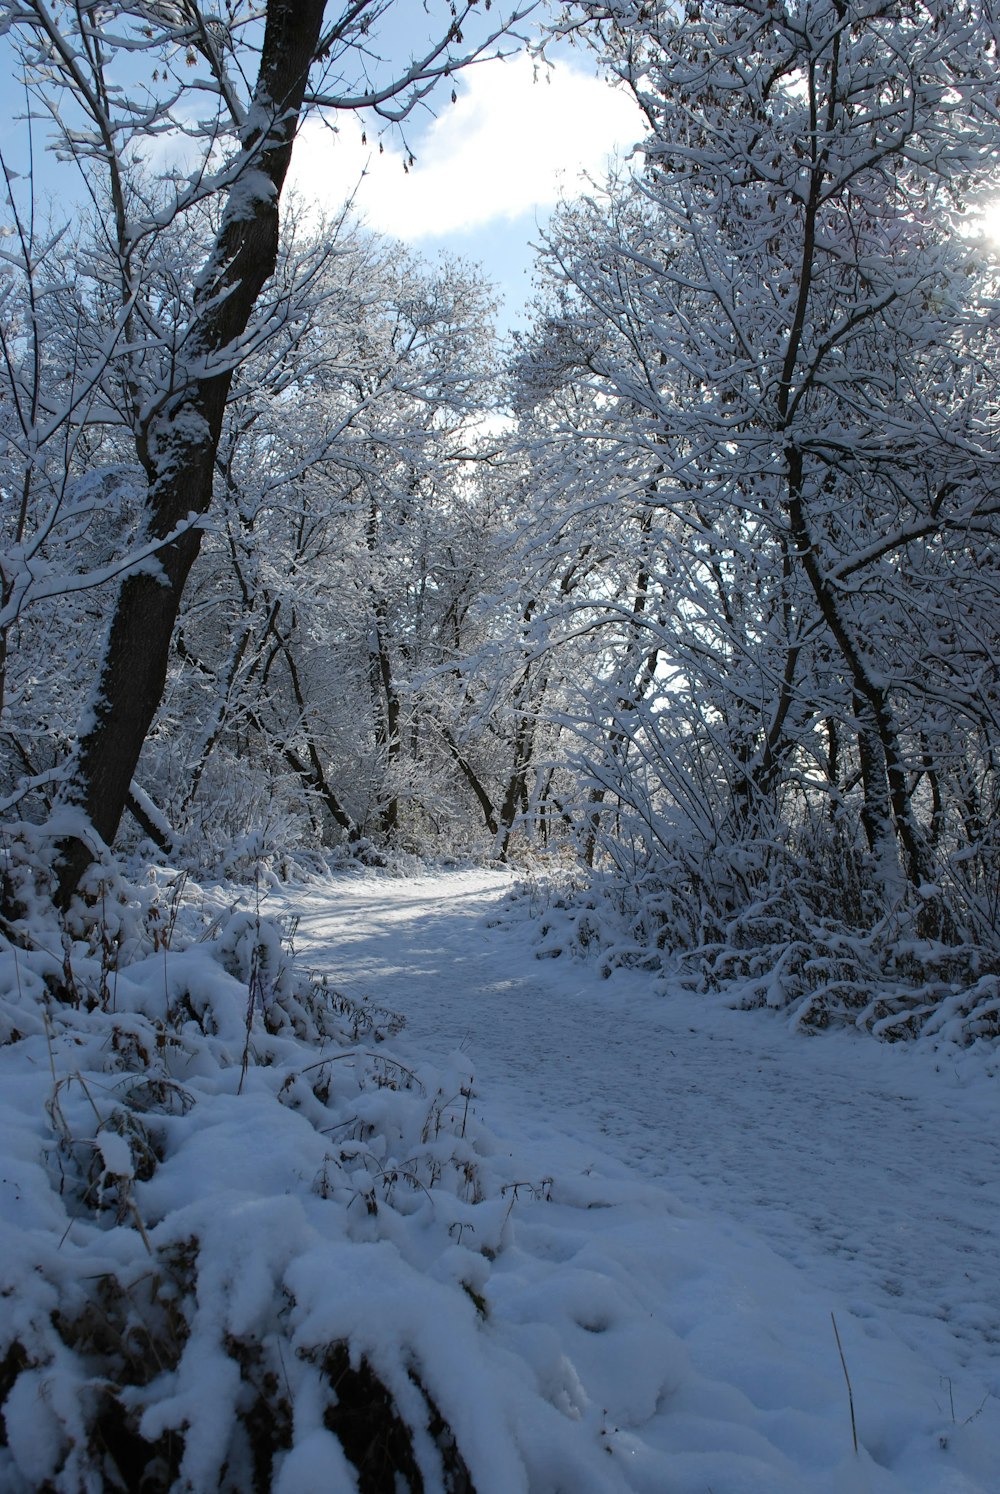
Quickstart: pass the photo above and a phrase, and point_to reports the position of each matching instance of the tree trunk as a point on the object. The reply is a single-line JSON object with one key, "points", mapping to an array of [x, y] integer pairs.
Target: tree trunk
{"points": [[474, 782], [180, 440], [876, 818], [876, 701], [387, 716]]}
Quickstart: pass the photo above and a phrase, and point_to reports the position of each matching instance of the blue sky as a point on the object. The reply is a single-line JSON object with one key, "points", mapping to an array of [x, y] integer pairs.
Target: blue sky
{"points": [[489, 167]]}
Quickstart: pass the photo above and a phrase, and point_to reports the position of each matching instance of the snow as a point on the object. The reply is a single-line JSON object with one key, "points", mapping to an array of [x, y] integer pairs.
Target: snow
{"points": [[720, 1187], [610, 1230]]}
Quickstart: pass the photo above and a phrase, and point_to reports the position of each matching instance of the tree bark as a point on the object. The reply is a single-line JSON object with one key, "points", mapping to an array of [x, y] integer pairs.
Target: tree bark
{"points": [[387, 717], [474, 782], [894, 798], [180, 439]]}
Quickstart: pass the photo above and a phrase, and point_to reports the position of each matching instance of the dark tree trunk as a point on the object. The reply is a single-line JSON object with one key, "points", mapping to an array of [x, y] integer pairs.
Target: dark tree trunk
{"points": [[387, 721], [474, 782], [887, 796], [179, 444]]}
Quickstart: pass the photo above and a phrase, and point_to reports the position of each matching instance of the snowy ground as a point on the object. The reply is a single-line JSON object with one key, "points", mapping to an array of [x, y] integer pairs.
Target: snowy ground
{"points": [[720, 1187]]}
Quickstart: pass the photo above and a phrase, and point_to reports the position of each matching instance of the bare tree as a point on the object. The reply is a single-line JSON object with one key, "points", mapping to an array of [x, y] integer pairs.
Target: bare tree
{"points": [[783, 341], [183, 61]]}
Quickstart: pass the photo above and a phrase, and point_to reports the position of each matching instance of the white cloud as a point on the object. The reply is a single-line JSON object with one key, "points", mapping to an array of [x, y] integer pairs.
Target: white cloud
{"points": [[515, 141]]}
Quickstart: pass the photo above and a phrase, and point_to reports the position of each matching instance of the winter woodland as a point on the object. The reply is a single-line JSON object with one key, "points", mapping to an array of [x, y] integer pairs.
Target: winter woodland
{"points": [[683, 605]]}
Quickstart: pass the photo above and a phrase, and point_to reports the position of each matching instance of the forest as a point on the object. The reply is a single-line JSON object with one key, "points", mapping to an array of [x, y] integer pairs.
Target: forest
{"points": [[683, 603]]}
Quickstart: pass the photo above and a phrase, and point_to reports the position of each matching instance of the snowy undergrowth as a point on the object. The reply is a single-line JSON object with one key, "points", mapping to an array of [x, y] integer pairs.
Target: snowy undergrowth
{"points": [[893, 978], [242, 1245], [251, 1241]]}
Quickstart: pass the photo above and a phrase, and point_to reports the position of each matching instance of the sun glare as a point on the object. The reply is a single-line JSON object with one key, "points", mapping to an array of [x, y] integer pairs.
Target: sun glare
{"points": [[990, 222]]}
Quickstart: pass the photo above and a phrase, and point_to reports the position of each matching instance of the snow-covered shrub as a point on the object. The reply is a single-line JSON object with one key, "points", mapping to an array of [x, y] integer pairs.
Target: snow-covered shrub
{"points": [[243, 1246], [805, 945]]}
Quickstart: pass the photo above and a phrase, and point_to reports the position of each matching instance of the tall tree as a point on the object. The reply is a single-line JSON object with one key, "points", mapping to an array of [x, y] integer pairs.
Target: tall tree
{"points": [[305, 55], [323, 610], [800, 352]]}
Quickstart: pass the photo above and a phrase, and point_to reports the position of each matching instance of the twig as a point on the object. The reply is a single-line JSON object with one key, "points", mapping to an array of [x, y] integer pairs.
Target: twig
{"points": [[850, 1393], [140, 1226]]}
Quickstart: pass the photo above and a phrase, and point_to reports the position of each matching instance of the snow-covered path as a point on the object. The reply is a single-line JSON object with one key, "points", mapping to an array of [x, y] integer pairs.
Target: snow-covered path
{"points": [[873, 1170]]}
